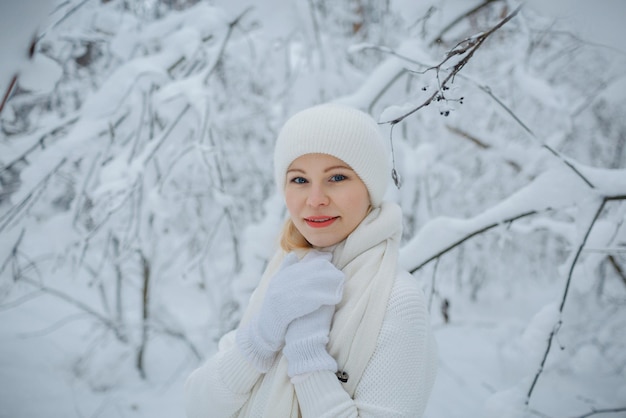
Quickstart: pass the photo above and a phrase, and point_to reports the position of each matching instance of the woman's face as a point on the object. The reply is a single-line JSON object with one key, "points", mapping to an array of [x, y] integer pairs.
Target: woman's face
{"points": [[325, 198]]}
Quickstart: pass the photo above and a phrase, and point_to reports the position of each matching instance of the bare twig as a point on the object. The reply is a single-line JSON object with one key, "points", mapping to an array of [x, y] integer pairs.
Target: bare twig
{"points": [[382, 91], [487, 90], [469, 44], [21, 300], [96, 227], [77, 303], [41, 142], [7, 94], [567, 163], [140, 125], [30, 198], [570, 274], [618, 268], [55, 326], [316, 31], [119, 314], [595, 411], [210, 237], [145, 313], [166, 134], [19, 269], [78, 204], [14, 251], [69, 13], [179, 336], [132, 231], [220, 186], [466, 49], [480, 144], [439, 37], [432, 285], [606, 250], [220, 54]]}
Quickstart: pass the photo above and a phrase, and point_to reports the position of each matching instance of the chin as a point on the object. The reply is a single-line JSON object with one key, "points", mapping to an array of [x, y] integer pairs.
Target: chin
{"points": [[322, 242]]}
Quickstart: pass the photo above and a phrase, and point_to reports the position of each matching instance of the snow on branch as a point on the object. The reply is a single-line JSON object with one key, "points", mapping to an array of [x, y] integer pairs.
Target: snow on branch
{"points": [[30, 198], [554, 189], [37, 142], [231, 26]]}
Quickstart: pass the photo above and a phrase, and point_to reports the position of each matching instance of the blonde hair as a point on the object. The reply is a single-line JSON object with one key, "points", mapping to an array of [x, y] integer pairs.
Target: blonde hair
{"points": [[291, 239]]}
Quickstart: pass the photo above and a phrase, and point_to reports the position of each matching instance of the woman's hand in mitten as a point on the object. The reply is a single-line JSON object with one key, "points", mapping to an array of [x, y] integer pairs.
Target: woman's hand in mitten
{"points": [[305, 343], [297, 289]]}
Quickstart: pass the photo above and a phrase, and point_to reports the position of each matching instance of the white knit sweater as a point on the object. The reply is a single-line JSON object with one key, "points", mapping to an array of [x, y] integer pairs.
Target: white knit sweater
{"points": [[396, 383]]}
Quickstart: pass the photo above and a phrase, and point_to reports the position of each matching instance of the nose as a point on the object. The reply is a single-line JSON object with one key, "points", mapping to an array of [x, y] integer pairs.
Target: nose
{"points": [[317, 196]]}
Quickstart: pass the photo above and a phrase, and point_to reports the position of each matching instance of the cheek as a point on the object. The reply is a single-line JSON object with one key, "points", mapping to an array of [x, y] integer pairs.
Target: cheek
{"points": [[291, 202], [363, 210], [363, 206], [360, 201], [356, 205]]}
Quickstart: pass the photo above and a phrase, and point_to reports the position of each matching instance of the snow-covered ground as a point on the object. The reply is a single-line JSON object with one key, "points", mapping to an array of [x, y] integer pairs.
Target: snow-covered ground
{"points": [[482, 350]]}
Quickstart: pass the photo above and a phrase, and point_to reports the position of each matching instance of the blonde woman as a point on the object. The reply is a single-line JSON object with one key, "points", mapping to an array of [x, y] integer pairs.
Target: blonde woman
{"points": [[335, 328]]}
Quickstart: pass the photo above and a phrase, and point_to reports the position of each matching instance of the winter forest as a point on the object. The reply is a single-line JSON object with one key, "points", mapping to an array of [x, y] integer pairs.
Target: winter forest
{"points": [[138, 210]]}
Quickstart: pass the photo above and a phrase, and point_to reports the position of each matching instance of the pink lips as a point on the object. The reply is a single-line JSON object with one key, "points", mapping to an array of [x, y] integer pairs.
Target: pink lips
{"points": [[320, 221]]}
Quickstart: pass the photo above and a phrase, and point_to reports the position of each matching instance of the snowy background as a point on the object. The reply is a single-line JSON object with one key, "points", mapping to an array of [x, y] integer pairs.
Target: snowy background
{"points": [[137, 208]]}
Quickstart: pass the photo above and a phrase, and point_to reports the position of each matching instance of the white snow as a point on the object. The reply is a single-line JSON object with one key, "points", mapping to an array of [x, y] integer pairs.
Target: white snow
{"points": [[169, 162], [19, 25]]}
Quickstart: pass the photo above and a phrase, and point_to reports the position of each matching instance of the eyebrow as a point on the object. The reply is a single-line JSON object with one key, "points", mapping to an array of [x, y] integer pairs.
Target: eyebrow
{"points": [[326, 170]]}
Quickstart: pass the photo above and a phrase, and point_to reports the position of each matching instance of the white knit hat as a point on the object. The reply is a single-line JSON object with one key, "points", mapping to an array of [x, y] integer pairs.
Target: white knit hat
{"points": [[341, 131]]}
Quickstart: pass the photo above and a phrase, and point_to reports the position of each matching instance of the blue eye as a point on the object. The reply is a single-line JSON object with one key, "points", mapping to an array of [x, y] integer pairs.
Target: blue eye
{"points": [[298, 180], [338, 177]]}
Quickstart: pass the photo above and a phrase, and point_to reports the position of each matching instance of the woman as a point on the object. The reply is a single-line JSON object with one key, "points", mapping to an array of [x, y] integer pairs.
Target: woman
{"points": [[335, 328]]}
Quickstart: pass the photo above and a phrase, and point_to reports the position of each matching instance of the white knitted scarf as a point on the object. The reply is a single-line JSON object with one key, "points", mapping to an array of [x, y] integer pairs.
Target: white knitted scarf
{"points": [[368, 257]]}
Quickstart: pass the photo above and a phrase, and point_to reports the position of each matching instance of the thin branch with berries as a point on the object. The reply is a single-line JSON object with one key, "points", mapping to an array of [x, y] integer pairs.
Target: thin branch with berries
{"points": [[464, 49]]}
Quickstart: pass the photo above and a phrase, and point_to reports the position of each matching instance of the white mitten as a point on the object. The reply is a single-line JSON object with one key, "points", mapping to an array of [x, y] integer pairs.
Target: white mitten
{"points": [[305, 343], [297, 289]]}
